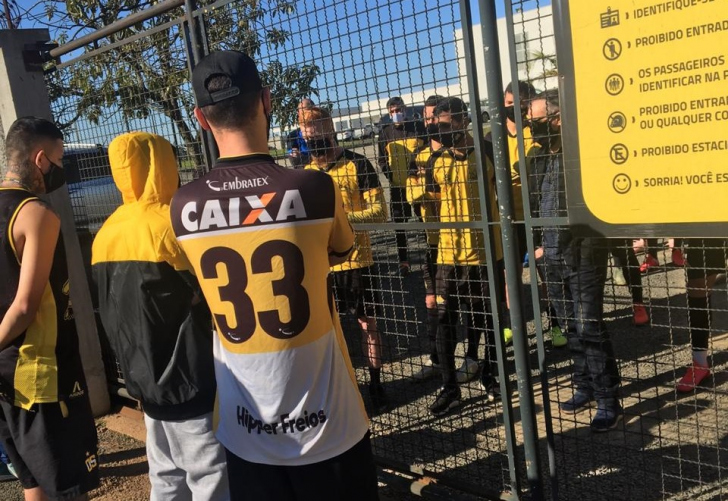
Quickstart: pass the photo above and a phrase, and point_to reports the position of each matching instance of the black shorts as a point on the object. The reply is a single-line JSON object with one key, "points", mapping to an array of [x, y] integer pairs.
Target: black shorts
{"points": [[462, 284], [706, 256], [429, 269], [351, 476], [357, 292], [53, 446]]}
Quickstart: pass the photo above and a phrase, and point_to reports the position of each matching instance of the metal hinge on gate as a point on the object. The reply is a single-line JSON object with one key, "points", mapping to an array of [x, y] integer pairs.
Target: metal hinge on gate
{"points": [[36, 55]]}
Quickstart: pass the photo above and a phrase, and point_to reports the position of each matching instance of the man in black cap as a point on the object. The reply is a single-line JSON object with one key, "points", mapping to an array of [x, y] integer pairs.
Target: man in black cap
{"points": [[398, 144], [261, 239]]}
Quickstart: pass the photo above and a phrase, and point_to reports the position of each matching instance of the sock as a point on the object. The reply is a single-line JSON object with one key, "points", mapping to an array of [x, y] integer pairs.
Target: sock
{"points": [[374, 376], [700, 357]]}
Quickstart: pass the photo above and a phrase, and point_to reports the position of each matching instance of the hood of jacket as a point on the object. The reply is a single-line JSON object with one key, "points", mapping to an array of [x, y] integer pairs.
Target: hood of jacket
{"points": [[144, 168]]}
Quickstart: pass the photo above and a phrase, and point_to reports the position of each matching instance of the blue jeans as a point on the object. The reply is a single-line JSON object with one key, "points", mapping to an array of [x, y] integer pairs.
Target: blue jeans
{"points": [[576, 292]]}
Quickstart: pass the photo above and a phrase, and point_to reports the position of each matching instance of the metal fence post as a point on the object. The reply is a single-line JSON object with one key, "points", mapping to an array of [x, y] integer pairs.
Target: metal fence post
{"points": [[510, 251], [195, 52], [520, 342]]}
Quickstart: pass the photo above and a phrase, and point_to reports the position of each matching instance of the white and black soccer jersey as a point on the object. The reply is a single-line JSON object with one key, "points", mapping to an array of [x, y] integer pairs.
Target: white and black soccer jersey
{"points": [[258, 237]]}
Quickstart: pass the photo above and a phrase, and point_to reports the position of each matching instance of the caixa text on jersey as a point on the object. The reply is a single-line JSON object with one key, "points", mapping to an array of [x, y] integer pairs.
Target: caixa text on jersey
{"points": [[242, 211]]}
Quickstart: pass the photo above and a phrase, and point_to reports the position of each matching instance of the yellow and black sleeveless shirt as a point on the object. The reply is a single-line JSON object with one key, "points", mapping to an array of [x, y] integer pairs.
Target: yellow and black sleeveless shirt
{"points": [[43, 364]]}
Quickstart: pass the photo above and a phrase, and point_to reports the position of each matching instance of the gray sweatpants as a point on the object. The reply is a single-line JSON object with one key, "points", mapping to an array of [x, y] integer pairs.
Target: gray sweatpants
{"points": [[186, 462]]}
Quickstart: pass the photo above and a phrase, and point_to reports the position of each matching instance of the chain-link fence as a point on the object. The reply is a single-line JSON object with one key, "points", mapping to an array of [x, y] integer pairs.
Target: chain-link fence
{"points": [[449, 396]]}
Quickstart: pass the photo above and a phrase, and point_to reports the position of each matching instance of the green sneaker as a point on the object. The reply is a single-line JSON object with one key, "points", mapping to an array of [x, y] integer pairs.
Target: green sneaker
{"points": [[557, 337], [507, 336]]}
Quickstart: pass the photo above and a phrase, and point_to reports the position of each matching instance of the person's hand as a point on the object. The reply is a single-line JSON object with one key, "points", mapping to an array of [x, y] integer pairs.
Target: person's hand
{"points": [[538, 252], [295, 153]]}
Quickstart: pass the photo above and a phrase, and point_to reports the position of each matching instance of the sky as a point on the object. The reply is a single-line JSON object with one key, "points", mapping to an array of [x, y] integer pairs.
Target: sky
{"points": [[366, 49]]}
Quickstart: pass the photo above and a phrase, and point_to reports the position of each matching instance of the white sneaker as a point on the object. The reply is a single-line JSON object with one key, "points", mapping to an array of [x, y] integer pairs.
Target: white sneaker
{"points": [[467, 371], [428, 370], [618, 277]]}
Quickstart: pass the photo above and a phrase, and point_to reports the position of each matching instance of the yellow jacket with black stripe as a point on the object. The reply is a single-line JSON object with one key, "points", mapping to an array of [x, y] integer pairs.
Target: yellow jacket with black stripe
{"points": [[397, 147], [363, 200], [149, 301], [43, 364], [456, 176]]}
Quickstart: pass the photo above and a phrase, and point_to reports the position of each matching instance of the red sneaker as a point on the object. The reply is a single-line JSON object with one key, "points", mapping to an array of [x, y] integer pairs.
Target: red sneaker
{"points": [[677, 258], [650, 262], [640, 314], [693, 377]]}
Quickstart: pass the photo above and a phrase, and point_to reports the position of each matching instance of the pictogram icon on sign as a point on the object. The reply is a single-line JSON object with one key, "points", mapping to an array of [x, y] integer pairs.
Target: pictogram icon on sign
{"points": [[614, 84], [609, 18], [619, 154], [612, 49], [617, 122]]}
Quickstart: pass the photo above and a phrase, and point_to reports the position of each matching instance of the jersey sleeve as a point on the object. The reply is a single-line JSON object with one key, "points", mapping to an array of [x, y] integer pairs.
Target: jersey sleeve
{"points": [[375, 210], [341, 239]]}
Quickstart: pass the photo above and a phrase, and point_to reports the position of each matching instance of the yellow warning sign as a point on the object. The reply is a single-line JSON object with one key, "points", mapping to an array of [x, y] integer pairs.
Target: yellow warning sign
{"points": [[651, 95]]}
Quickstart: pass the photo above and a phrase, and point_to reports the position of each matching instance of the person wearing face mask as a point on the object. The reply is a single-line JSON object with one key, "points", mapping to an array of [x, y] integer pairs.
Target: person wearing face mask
{"points": [[526, 92], [46, 423], [397, 145], [461, 281], [426, 204], [355, 281], [576, 270]]}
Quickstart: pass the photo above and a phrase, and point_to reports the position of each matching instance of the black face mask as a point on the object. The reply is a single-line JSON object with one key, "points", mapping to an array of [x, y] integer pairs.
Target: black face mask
{"points": [[447, 138], [54, 178], [541, 132], [318, 147], [510, 113]]}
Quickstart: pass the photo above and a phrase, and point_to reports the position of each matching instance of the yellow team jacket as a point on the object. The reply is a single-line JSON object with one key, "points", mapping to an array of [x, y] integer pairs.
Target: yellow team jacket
{"points": [[515, 171], [363, 200], [419, 184], [457, 179]]}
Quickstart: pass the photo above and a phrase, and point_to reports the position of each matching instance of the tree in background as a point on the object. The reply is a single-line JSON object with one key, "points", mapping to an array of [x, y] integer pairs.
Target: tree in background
{"points": [[148, 77]]}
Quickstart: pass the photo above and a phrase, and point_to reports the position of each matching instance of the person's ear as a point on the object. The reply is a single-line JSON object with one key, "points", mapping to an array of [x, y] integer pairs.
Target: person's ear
{"points": [[201, 118], [267, 107], [557, 120], [38, 159]]}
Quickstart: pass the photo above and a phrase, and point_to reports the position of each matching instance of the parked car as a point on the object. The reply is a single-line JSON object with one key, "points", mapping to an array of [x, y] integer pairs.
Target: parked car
{"points": [[94, 195], [365, 132], [345, 135]]}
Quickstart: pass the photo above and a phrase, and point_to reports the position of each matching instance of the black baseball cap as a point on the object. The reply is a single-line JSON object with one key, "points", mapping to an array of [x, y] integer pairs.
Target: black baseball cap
{"points": [[230, 63]]}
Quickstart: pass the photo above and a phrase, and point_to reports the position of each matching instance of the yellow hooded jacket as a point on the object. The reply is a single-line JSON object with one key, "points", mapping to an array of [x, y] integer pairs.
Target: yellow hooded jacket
{"points": [[149, 301]]}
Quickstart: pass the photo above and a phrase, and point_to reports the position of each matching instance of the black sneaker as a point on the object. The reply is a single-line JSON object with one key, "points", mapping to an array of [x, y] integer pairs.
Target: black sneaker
{"points": [[404, 269], [491, 387], [446, 400], [378, 398], [607, 417], [581, 401]]}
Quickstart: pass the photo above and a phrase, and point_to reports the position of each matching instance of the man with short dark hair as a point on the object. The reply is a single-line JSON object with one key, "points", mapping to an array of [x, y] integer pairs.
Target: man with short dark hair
{"points": [[46, 424], [426, 204], [261, 239], [397, 145], [461, 283], [575, 271]]}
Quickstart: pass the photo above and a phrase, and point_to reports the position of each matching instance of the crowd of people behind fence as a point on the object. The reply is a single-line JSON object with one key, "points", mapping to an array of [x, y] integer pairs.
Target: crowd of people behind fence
{"points": [[270, 256]]}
